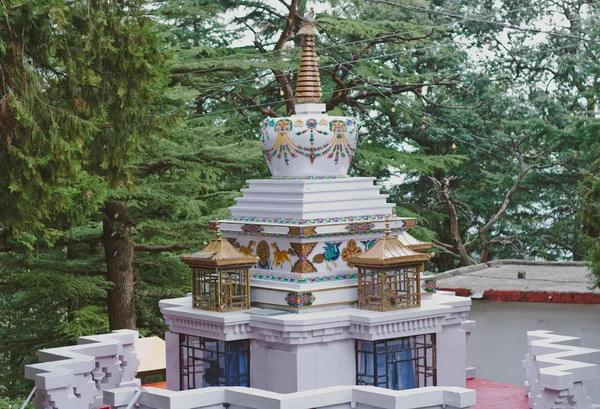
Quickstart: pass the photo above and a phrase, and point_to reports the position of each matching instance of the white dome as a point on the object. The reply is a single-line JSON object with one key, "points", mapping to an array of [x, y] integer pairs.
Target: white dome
{"points": [[312, 144]]}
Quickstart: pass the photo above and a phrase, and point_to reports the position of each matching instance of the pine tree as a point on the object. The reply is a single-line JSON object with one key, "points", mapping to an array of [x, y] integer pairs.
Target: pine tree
{"points": [[77, 86], [590, 215]]}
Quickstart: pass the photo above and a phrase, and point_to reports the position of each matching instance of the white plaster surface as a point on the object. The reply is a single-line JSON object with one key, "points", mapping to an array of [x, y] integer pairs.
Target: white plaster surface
{"points": [[339, 397], [295, 352], [451, 356], [554, 373], [311, 198], [74, 377], [172, 359], [285, 138]]}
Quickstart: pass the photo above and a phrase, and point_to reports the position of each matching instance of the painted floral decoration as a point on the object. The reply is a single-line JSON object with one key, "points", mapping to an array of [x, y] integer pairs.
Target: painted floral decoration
{"points": [[351, 249], [311, 123]]}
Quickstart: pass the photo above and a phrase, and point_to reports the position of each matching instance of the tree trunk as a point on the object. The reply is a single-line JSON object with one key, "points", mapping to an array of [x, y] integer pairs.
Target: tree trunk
{"points": [[118, 247], [444, 188], [485, 249]]}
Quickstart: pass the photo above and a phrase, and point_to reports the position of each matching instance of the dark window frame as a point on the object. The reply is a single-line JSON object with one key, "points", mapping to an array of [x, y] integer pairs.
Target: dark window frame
{"points": [[422, 354], [205, 362]]}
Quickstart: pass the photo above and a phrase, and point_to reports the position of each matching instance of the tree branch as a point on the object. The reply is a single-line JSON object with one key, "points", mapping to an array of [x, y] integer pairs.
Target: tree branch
{"points": [[159, 249]]}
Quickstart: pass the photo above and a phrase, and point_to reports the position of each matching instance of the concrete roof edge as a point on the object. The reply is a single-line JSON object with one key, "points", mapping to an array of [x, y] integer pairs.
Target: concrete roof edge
{"points": [[483, 266]]}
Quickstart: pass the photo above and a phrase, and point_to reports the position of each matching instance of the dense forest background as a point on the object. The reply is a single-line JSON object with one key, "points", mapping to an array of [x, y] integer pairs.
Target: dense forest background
{"points": [[125, 126]]}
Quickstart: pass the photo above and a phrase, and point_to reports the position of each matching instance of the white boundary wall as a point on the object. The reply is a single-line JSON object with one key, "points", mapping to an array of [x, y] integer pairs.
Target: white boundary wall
{"points": [[553, 379], [337, 397], [74, 377]]}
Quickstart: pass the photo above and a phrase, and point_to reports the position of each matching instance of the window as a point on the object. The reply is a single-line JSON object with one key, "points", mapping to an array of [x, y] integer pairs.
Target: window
{"points": [[401, 363], [208, 362]]}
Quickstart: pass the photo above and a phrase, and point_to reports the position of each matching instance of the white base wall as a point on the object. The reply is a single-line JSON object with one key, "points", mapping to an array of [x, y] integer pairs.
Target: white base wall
{"points": [[299, 352], [451, 353], [318, 366], [172, 370]]}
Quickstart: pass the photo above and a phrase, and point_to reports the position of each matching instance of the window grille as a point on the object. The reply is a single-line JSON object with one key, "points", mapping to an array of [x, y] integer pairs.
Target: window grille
{"points": [[401, 363], [208, 362]]}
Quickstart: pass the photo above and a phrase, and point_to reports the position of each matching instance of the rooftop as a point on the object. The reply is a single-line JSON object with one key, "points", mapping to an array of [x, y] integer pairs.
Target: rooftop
{"points": [[542, 281]]}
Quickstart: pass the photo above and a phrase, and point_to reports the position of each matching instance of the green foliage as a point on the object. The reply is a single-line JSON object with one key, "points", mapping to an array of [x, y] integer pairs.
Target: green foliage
{"points": [[88, 120], [590, 216], [78, 79], [77, 104]]}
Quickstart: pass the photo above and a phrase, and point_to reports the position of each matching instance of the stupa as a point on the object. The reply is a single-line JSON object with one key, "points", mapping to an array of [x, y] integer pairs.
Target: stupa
{"points": [[306, 327]]}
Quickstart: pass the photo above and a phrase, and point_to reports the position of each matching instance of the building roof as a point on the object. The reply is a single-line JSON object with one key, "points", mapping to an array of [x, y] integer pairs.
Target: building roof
{"points": [[219, 253], [388, 251], [151, 352], [502, 275], [412, 243]]}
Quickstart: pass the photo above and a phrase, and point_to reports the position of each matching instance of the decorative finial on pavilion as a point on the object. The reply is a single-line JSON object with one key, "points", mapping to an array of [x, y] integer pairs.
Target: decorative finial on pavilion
{"points": [[218, 229], [308, 88], [387, 227]]}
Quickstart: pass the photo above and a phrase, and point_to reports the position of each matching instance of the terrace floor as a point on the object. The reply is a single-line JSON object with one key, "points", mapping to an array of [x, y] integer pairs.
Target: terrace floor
{"points": [[495, 395]]}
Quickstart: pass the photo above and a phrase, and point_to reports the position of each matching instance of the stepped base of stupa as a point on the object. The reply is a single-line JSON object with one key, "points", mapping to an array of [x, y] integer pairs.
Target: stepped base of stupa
{"points": [[303, 230]]}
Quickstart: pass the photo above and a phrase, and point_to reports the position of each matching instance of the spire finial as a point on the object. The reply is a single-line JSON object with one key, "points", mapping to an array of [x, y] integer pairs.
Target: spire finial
{"points": [[387, 227], [218, 229], [308, 87]]}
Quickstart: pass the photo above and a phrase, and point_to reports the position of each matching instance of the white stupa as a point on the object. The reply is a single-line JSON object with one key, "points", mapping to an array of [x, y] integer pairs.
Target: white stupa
{"points": [[305, 224]]}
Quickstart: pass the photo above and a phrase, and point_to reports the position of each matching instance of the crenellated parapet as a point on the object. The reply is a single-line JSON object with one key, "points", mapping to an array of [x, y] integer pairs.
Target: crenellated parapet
{"points": [[75, 377], [339, 397], [554, 373]]}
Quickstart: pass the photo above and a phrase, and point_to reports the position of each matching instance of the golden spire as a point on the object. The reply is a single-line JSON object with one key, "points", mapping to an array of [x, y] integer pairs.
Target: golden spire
{"points": [[387, 227], [218, 229], [308, 87]]}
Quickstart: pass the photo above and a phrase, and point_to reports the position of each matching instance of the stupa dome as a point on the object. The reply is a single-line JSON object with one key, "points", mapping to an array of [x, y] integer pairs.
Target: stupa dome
{"points": [[309, 143]]}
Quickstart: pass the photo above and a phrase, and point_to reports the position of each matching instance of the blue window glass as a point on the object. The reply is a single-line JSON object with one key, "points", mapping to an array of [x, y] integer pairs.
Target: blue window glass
{"points": [[206, 362], [401, 363]]}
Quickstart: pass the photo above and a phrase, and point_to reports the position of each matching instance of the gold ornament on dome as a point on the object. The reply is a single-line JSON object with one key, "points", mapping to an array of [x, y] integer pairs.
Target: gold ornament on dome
{"points": [[309, 24]]}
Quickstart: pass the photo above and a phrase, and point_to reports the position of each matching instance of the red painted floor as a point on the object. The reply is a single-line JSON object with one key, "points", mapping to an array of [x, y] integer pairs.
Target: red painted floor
{"points": [[490, 395], [494, 395]]}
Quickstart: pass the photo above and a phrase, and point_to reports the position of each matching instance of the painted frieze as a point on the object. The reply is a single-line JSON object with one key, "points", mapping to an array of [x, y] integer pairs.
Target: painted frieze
{"points": [[429, 285], [280, 257], [350, 250], [321, 147], [303, 264], [329, 256], [264, 255], [300, 299]]}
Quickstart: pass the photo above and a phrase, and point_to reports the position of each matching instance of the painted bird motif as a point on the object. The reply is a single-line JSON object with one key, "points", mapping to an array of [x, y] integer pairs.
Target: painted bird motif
{"points": [[368, 243], [330, 255]]}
